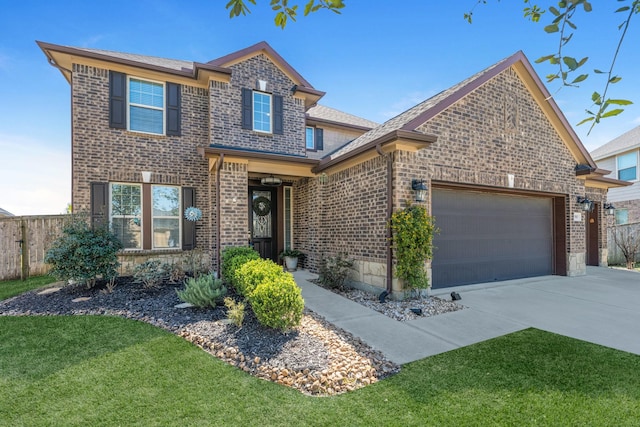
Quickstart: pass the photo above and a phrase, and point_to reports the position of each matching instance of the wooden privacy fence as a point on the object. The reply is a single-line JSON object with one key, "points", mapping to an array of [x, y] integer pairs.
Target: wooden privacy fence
{"points": [[615, 256], [24, 241]]}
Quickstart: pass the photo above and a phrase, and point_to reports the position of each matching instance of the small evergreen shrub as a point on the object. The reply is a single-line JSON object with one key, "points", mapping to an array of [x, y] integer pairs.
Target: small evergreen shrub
{"points": [[203, 291], [254, 272], [84, 254], [232, 259], [278, 303], [235, 311], [334, 270], [150, 273]]}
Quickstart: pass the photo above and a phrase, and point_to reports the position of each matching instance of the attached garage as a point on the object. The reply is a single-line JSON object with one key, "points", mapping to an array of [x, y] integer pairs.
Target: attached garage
{"points": [[488, 236]]}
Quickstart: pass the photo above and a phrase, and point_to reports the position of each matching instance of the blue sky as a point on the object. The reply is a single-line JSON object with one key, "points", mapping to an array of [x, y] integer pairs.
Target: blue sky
{"points": [[375, 60]]}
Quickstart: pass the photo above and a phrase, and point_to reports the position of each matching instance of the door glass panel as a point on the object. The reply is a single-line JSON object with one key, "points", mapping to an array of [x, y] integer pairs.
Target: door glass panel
{"points": [[261, 214]]}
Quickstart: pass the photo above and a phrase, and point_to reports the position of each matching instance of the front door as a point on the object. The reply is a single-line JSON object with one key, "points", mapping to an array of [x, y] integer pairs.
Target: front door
{"points": [[593, 228], [262, 219]]}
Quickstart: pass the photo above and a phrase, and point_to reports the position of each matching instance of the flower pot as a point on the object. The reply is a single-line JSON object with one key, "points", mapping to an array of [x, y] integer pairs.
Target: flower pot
{"points": [[291, 263]]}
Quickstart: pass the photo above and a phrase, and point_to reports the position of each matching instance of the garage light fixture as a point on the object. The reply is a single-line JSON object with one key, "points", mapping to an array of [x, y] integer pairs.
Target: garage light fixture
{"points": [[609, 209], [420, 187], [587, 205]]}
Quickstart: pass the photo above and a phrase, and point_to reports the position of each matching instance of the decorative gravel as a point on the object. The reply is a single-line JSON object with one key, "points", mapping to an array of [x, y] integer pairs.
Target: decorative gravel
{"points": [[315, 358]]}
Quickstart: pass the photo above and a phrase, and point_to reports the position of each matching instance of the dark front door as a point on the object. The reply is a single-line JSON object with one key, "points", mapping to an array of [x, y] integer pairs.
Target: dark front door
{"points": [[262, 219], [592, 236]]}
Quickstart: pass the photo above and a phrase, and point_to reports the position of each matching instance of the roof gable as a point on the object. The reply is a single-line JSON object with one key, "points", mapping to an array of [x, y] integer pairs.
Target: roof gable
{"points": [[257, 49], [411, 119]]}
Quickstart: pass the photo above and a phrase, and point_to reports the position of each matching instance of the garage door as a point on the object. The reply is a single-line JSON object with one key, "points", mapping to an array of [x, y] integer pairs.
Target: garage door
{"points": [[486, 237]]}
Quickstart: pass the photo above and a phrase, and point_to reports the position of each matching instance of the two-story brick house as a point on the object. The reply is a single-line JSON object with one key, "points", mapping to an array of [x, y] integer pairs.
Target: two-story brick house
{"points": [[243, 139]]}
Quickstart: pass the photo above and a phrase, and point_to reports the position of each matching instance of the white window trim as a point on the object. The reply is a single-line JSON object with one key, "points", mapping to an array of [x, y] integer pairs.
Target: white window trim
{"points": [[253, 112], [133, 184], [313, 137], [284, 212], [164, 106], [637, 153], [153, 218]]}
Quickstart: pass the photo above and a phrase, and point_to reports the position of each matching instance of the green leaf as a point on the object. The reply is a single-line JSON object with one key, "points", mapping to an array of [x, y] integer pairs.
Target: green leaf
{"points": [[571, 24], [308, 7], [598, 71], [570, 62], [615, 79], [596, 98], [587, 6], [619, 101], [612, 113], [580, 78], [555, 11], [583, 61], [622, 9], [544, 58], [552, 28], [587, 120]]}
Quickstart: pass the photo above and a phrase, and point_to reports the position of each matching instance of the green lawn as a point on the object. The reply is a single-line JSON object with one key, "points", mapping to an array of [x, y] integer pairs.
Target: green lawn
{"points": [[11, 288], [86, 370]]}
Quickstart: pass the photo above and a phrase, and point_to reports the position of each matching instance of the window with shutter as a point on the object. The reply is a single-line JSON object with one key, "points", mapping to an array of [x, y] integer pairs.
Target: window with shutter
{"points": [[117, 100]]}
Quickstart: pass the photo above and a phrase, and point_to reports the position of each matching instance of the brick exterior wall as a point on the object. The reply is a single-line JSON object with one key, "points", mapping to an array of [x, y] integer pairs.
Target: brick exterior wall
{"points": [[633, 210], [234, 205], [226, 112], [100, 153]]}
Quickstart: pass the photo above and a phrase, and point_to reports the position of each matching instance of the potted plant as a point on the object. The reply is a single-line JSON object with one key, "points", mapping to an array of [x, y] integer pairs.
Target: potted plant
{"points": [[290, 257]]}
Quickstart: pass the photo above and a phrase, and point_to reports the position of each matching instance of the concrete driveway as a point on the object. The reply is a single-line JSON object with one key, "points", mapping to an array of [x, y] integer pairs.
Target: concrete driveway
{"points": [[602, 307]]}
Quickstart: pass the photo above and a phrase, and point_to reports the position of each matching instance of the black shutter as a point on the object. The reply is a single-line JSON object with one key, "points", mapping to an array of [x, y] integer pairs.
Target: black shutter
{"points": [[188, 227], [319, 139], [173, 109], [117, 100], [278, 116], [99, 204], [247, 109]]}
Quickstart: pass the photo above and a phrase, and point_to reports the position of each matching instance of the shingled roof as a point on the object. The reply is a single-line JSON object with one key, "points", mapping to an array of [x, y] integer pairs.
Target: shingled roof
{"points": [[331, 115], [172, 64], [625, 142]]}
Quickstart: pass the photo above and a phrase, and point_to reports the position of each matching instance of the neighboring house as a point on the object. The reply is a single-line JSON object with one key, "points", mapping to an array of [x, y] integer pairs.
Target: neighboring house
{"points": [[502, 167], [4, 213], [621, 157]]}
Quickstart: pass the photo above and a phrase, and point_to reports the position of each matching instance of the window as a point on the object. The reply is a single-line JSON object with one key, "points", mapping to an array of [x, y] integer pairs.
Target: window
{"points": [[261, 112], [622, 216], [129, 216], [125, 214], [311, 140], [166, 216], [146, 106], [627, 165]]}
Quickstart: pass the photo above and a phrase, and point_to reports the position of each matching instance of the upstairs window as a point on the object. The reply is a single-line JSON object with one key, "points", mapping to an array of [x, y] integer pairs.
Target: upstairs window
{"points": [[627, 166], [146, 106], [261, 112], [311, 140]]}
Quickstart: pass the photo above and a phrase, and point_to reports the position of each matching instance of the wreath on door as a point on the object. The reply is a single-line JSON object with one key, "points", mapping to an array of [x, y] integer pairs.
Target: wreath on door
{"points": [[261, 206]]}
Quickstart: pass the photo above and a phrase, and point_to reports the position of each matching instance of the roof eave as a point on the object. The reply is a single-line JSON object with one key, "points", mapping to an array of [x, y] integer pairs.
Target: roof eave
{"points": [[316, 120]]}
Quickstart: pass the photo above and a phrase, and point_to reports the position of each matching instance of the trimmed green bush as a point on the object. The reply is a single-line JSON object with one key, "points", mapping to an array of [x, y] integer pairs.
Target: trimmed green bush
{"points": [[254, 272], [150, 273], [278, 303], [233, 258], [203, 291], [84, 254]]}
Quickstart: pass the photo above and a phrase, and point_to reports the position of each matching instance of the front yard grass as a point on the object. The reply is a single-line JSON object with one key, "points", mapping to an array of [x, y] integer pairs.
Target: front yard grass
{"points": [[92, 370], [11, 288]]}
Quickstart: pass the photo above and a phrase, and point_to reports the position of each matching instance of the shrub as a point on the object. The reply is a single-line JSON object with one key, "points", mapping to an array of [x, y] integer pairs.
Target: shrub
{"points": [[174, 272], [84, 254], [334, 270], [235, 311], [412, 240], [150, 273], [254, 272], [194, 263], [203, 291], [232, 260], [278, 303]]}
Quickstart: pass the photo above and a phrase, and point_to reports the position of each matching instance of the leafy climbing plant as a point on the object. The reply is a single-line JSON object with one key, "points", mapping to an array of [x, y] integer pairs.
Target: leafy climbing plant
{"points": [[412, 237]]}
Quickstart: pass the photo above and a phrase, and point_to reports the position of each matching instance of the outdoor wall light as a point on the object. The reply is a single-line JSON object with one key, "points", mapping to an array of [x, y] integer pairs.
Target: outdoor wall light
{"points": [[587, 205], [271, 181], [420, 187], [609, 209]]}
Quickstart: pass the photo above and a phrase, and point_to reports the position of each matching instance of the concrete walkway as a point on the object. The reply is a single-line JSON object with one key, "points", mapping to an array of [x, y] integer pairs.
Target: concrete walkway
{"points": [[602, 307]]}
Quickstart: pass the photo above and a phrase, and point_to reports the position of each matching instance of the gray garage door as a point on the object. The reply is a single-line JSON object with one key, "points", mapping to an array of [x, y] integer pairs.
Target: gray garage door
{"points": [[486, 237]]}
